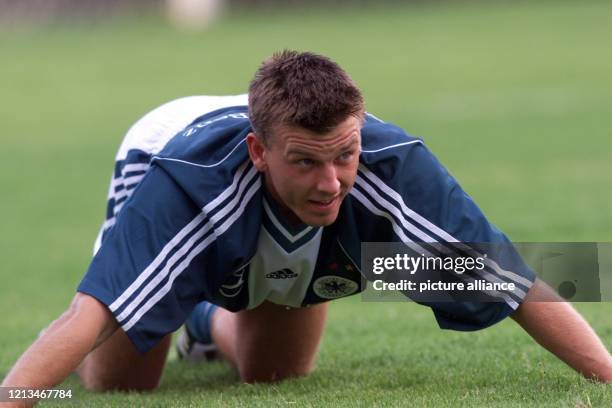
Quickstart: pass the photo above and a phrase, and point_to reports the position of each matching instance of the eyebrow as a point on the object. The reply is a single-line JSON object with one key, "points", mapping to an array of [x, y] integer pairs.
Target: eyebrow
{"points": [[298, 151]]}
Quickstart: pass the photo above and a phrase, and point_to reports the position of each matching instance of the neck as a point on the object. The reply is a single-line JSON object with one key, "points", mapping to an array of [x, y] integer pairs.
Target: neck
{"points": [[274, 200]]}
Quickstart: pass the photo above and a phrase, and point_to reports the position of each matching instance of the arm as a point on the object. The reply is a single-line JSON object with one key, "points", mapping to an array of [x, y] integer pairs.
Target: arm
{"points": [[559, 328], [63, 345]]}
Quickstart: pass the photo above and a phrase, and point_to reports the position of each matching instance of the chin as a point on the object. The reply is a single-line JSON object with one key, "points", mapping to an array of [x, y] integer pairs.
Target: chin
{"points": [[320, 221]]}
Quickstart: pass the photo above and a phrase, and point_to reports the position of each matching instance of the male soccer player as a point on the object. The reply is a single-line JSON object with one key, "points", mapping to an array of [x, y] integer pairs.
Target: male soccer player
{"points": [[245, 217]]}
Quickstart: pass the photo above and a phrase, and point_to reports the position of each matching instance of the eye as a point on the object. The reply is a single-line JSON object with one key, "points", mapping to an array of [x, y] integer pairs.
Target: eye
{"points": [[346, 156], [305, 162]]}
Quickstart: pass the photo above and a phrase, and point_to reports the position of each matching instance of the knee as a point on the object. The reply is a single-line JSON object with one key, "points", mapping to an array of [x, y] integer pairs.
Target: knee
{"points": [[116, 365], [96, 378]]}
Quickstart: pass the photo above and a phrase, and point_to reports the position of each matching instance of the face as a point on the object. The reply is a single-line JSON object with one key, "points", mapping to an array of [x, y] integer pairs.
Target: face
{"points": [[309, 174]]}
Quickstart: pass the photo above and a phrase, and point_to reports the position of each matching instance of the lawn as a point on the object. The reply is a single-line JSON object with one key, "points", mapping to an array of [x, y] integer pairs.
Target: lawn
{"points": [[516, 100]]}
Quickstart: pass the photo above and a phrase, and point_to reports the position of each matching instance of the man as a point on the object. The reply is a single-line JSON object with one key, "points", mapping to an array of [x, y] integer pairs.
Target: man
{"points": [[249, 218]]}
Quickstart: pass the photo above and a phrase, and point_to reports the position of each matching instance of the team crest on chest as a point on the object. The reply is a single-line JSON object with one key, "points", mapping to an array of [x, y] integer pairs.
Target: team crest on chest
{"points": [[332, 287]]}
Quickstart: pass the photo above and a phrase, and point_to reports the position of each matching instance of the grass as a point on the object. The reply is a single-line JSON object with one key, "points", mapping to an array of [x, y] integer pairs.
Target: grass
{"points": [[514, 99]]}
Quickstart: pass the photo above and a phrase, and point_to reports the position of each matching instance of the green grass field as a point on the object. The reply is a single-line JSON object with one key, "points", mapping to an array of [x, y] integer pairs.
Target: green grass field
{"points": [[515, 100]]}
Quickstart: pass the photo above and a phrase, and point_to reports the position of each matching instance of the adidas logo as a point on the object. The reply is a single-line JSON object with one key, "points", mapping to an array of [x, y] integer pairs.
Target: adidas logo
{"points": [[282, 274]]}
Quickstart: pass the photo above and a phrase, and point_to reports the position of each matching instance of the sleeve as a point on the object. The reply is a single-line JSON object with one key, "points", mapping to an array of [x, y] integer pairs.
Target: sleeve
{"points": [[149, 270], [428, 207]]}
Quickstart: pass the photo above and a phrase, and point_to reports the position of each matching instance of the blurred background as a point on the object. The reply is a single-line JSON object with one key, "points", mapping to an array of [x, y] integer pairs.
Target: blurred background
{"points": [[515, 98]]}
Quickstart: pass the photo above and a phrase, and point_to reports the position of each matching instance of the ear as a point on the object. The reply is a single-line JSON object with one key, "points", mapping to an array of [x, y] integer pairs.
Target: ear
{"points": [[257, 152]]}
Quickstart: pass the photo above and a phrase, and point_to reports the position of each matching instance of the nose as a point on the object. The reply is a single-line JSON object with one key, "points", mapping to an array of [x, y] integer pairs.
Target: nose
{"points": [[327, 180]]}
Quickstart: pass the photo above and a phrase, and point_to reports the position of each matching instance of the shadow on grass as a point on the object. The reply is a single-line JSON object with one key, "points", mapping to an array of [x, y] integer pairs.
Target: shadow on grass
{"points": [[213, 376]]}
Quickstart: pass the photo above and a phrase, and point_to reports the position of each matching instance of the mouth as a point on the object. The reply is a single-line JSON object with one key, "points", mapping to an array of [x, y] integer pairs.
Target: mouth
{"points": [[323, 204]]}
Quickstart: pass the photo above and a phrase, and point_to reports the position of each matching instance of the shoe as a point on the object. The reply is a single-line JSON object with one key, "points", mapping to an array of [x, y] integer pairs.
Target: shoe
{"points": [[189, 349]]}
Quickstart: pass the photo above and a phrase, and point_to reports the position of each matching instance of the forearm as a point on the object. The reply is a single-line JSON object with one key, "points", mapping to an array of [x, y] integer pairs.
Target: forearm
{"points": [[559, 328], [63, 345]]}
